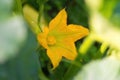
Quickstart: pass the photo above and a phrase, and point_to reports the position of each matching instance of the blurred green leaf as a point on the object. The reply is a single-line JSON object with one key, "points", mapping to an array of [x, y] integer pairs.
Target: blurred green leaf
{"points": [[104, 31], [107, 7], [77, 12], [25, 65], [18, 60], [5, 9], [106, 69], [115, 18], [104, 7], [12, 35], [102, 27]]}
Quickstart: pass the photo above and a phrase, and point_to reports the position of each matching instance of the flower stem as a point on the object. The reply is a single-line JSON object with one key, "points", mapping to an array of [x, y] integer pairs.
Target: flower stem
{"points": [[42, 76], [103, 47], [87, 44], [18, 6], [41, 14], [73, 69], [41, 8]]}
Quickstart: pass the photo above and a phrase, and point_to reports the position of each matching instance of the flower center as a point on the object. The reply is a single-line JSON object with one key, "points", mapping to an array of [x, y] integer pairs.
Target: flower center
{"points": [[51, 40]]}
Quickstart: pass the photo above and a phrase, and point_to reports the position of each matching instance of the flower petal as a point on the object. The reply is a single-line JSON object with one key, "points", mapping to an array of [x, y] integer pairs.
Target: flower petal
{"points": [[59, 21], [54, 56], [42, 37], [71, 33], [67, 49], [75, 32], [63, 49]]}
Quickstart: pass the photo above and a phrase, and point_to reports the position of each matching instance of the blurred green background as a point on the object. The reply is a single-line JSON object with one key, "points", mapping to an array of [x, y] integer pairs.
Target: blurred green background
{"points": [[22, 58]]}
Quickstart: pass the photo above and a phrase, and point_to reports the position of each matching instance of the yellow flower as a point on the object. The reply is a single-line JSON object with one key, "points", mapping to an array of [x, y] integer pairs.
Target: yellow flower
{"points": [[59, 38]]}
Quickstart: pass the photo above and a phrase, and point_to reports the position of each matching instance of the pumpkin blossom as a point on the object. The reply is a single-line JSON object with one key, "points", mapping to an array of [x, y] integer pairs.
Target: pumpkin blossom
{"points": [[58, 39]]}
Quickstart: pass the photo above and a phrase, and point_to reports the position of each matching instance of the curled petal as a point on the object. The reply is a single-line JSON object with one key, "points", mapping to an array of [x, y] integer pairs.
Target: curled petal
{"points": [[54, 56]]}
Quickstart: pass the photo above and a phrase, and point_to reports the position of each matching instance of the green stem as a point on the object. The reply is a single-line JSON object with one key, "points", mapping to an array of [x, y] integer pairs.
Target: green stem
{"points": [[87, 44], [41, 8], [41, 13], [18, 7], [73, 69], [42, 76], [103, 47]]}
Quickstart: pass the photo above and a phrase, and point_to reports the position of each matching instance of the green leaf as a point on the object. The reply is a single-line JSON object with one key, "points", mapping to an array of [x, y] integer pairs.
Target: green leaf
{"points": [[103, 29], [5, 8], [12, 35], [106, 69], [25, 65], [108, 7], [116, 15]]}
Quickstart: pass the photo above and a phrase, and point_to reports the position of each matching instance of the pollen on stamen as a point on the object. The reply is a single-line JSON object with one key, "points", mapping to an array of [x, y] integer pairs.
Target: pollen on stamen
{"points": [[51, 40]]}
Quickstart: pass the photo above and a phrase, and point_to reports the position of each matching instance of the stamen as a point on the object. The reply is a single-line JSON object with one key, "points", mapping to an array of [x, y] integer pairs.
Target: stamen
{"points": [[51, 40]]}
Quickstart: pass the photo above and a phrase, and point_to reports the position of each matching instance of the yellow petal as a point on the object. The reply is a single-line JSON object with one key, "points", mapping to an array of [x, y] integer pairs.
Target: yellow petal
{"points": [[42, 37], [63, 49], [76, 32], [67, 49], [59, 22], [71, 32], [54, 56]]}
